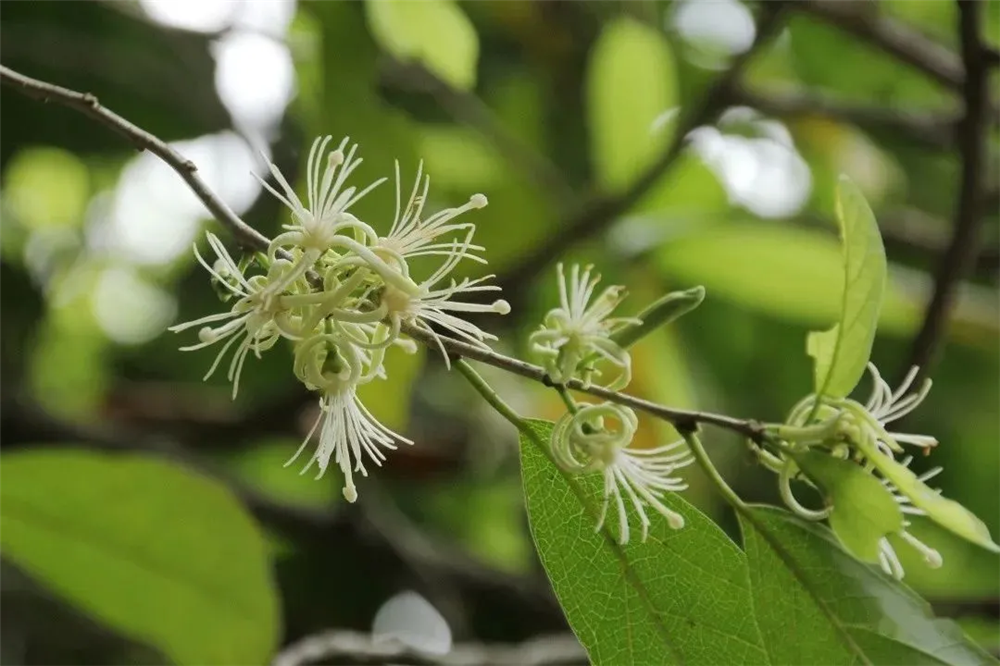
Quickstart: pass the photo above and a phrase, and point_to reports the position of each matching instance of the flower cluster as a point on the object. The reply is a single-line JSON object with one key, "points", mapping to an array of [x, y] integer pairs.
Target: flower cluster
{"points": [[573, 339], [342, 293]]}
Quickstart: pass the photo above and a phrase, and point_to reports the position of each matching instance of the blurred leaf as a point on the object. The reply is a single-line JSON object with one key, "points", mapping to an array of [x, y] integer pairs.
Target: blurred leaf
{"points": [[831, 59], [631, 82], [47, 187], [263, 466], [459, 158], [435, 33], [842, 353], [791, 273], [163, 555], [850, 612], [681, 597], [863, 510]]}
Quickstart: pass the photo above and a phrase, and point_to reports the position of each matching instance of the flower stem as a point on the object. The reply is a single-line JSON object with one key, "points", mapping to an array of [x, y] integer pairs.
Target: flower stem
{"points": [[492, 397], [701, 456]]}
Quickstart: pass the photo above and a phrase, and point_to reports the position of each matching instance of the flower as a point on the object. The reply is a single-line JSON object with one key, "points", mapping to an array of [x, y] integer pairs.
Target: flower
{"points": [[254, 319], [574, 335], [411, 237], [596, 438], [336, 365], [887, 554], [867, 423], [326, 215], [349, 431], [434, 302]]}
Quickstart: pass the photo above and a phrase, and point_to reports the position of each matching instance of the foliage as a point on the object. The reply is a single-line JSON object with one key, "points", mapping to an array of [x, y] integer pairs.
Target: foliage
{"points": [[158, 510]]}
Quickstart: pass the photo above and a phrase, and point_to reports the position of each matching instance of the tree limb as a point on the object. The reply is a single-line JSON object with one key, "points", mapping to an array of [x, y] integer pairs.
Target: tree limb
{"points": [[962, 250]]}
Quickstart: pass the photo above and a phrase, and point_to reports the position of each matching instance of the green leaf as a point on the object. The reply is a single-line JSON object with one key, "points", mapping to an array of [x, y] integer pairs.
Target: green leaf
{"points": [[947, 513], [681, 597], [435, 33], [863, 509], [840, 610], [790, 273], [842, 353], [631, 82], [161, 554]]}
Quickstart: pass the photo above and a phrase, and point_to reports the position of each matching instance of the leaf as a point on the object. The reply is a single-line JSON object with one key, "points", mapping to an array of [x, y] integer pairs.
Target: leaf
{"points": [[806, 585], [435, 33], [631, 81], [945, 512], [681, 597], [161, 554], [842, 353], [790, 273], [863, 509]]}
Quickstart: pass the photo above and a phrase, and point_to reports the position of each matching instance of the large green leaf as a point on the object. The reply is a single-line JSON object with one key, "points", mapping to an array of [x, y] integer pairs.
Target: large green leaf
{"points": [[681, 597], [815, 604], [435, 33], [842, 352], [161, 554], [631, 82], [863, 511]]}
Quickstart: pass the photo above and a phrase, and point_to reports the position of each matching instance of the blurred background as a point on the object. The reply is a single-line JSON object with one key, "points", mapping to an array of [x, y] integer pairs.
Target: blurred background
{"points": [[672, 144]]}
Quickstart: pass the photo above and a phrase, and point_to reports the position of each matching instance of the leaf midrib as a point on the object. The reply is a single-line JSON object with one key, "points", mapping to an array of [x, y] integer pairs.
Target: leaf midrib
{"points": [[792, 566]]}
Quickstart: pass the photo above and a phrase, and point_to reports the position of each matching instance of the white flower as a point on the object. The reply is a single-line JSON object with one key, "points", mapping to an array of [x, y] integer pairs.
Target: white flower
{"points": [[349, 434], [254, 320], [411, 236], [597, 438], [886, 407], [579, 332], [336, 364], [887, 554], [433, 303], [869, 422], [326, 215]]}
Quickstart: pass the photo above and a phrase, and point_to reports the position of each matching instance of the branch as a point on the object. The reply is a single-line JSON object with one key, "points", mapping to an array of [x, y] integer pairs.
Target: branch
{"points": [[597, 214], [87, 104], [682, 419], [961, 252], [932, 130], [894, 38], [358, 648]]}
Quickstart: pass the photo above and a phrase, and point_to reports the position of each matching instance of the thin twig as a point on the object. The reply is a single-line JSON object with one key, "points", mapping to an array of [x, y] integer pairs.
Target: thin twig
{"points": [[143, 140], [682, 419], [596, 215], [894, 38], [962, 250]]}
